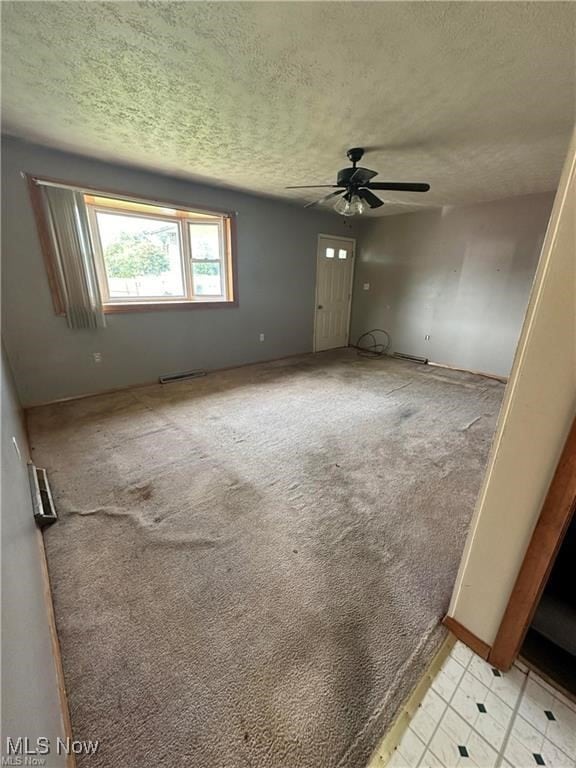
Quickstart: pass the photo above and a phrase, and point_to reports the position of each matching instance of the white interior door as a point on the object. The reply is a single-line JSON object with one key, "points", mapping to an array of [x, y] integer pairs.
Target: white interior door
{"points": [[335, 269]]}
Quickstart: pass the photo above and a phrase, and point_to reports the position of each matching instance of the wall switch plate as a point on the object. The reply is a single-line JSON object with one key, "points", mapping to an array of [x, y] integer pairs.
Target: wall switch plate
{"points": [[366, 286], [97, 356], [261, 337]]}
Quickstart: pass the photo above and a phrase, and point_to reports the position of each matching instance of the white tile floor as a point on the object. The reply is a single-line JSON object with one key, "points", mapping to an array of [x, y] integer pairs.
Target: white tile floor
{"points": [[475, 716]]}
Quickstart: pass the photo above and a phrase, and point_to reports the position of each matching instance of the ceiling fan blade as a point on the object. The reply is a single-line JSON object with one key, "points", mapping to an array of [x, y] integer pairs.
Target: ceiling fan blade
{"points": [[399, 185], [314, 186], [410, 204], [371, 199], [326, 197], [361, 176]]}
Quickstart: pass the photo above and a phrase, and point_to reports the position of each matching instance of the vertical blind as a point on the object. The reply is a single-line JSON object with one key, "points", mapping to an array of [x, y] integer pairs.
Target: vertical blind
{"points": [[74, 256]]}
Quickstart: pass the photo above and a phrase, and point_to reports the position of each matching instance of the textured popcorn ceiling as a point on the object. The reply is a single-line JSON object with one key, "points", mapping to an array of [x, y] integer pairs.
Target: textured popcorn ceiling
{"points": [[475, 98]]}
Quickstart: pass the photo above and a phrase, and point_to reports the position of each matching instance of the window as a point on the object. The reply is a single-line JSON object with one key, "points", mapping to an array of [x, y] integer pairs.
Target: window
{"points": [[143, 254], [342, 253], [152, 254], [329, 253]]}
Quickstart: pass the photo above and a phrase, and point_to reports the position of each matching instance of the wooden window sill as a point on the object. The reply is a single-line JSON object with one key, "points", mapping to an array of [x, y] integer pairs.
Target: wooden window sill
{"points": [[153, 306]]}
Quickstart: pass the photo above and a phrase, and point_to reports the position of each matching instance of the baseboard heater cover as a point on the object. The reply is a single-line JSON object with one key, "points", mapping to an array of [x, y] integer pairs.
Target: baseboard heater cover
{"points": [[412, 358], [180, 376], [42, 501]]}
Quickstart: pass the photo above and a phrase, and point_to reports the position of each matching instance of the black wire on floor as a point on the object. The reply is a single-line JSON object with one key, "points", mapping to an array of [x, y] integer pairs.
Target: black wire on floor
{"points": [[368, 344]]}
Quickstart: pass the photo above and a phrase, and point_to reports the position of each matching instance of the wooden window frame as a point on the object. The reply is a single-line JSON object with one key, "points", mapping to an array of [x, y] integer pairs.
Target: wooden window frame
{"points": [[228, 243], [221, 260]]}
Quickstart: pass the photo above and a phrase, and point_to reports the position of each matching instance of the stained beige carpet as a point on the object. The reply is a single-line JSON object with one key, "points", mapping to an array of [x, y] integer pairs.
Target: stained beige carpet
{"points": [[250, 569]]}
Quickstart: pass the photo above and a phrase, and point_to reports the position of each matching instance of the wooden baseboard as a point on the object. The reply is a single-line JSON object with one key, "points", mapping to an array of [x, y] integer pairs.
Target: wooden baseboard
{"points": [[64, 709], [503, 379], [479, 647]]}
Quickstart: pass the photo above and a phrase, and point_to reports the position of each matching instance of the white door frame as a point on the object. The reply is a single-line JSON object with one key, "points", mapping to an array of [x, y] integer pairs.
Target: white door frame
{"points": [[352, 241]]}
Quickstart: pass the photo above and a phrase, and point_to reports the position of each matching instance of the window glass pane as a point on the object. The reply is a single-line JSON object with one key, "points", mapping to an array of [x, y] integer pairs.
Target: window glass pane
{"points": [[329, 253], [141, 256], [207, 278], [342, 254], [205, 241]]}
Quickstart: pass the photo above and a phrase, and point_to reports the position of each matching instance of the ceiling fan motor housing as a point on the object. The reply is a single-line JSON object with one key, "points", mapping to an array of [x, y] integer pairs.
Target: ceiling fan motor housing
{"points": [[344, 175]]}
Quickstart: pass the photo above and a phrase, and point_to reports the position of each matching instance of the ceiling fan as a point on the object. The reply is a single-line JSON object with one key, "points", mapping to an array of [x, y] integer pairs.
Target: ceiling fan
{"points": [[354, 187]]}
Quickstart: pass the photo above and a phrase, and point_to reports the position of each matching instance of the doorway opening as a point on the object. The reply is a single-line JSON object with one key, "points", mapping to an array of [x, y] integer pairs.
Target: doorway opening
{"points": [[550, 643]]}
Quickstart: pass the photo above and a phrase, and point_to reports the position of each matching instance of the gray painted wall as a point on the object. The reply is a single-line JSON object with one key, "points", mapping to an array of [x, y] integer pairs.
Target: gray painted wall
{"points": [[461, 275], [276, 269], [30, 702]]}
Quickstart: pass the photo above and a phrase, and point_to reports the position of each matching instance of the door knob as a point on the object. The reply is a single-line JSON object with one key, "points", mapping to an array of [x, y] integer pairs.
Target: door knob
{"points": [[320, 306]]}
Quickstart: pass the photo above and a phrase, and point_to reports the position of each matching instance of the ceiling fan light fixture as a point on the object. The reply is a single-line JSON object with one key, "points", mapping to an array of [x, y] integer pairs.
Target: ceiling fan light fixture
{"points": [[350, 205]]}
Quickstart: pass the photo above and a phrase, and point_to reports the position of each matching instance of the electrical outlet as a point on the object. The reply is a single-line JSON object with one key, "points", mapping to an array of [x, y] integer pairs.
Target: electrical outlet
{"points": [[427, 338], [366, 286], [97, 356], [261, 337]]}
